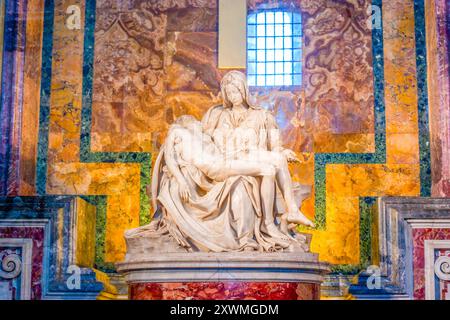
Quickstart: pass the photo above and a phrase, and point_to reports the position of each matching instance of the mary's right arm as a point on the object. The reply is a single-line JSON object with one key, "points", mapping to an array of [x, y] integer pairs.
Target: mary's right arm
{"points": [[211, 118]]}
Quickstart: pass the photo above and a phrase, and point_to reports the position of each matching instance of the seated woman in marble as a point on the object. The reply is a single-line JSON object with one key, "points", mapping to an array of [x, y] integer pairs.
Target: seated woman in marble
{"points": [[186, 143], [251, 132]]}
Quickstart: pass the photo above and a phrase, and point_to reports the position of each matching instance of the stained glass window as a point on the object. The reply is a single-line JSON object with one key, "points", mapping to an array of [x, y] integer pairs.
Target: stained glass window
{"points": [[274, 48]]}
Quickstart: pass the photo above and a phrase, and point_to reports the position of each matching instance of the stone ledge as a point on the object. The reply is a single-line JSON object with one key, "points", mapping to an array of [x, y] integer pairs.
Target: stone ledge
{"points": [[232, 266]]}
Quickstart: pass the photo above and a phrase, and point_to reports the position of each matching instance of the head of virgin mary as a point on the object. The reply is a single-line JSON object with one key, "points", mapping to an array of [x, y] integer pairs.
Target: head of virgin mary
{"points": [[233, 84]]}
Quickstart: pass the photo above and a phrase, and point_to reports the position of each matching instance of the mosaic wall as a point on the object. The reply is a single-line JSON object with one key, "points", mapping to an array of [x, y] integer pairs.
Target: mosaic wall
{"points": [[109, 91]]}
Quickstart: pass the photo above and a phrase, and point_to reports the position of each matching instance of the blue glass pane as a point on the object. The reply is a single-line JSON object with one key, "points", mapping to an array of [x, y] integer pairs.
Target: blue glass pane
{"points": [[251, 55], [261, 43], [279, 80], [261, 68], [270, 80], [260, 80], [287, 17], [297, 80], [288, 67], [251, 80], [270, 43], [252, 18], [270, 55], [278, 42], [261, 55], [279, 68], [261, 18], [296, 29], [279, 55], [288, 30], [297, 55], [288, 42], [251, 69], [278, 17], [278, 29], [287, 55], [297, 42], [251, 43], [297, 67], [251, 31], [296, 18], [287, 80], [261, 30]]}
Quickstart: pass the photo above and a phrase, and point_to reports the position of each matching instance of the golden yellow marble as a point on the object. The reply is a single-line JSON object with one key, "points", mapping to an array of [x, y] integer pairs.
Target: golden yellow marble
{"points": [[31, 100], [85, 231], [399, 68], [349, 143], [402, 148]]}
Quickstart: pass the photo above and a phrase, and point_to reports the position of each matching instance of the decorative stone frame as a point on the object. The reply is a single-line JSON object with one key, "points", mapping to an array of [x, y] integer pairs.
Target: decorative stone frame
{"points": [[25, 264], [430, 265], [397, 218]]}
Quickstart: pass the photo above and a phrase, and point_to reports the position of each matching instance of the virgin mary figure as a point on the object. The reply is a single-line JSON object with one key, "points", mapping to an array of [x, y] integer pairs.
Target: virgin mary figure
{"points": [[241, 212]]}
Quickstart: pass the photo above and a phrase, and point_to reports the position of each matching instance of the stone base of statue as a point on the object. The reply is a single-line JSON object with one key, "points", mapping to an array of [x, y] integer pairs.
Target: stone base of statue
{"points": [[223, 276]]}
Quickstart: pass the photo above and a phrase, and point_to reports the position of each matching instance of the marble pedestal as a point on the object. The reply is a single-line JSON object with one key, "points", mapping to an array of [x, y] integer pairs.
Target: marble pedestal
{"points": [[223, 276]]}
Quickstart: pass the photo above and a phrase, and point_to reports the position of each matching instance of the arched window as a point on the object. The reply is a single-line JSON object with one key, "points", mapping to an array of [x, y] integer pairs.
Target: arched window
{"points": [[274, 48]]}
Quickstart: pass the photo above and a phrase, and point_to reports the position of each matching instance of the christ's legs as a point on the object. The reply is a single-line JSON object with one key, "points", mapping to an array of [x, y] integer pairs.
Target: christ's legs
{"points": [[284, 182], [268, 199], [248, 168]]}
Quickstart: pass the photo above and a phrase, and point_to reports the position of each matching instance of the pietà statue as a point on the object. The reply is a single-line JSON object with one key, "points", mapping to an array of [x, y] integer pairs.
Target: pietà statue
{"points": [[223, 184]]}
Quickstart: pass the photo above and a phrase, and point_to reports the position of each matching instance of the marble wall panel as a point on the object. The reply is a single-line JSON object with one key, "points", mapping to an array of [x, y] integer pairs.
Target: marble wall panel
{"points": [[338, 75]]}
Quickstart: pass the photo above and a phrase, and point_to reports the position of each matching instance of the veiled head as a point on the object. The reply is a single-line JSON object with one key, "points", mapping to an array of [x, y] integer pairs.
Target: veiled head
{"points": [[230, 82]]}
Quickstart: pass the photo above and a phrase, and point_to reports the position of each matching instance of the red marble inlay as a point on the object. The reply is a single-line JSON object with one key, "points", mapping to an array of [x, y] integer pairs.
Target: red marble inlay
{"points": [[37, 235], [419, 237], [224, 291], [444, 286]]}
